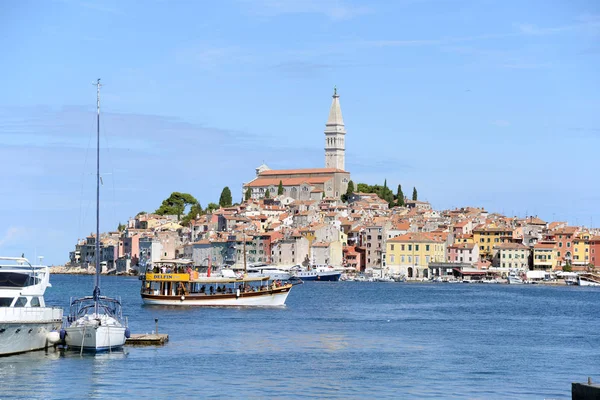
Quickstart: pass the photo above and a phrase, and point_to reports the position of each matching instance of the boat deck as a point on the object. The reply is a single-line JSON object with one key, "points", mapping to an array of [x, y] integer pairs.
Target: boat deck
{"points": [[147, 339]]}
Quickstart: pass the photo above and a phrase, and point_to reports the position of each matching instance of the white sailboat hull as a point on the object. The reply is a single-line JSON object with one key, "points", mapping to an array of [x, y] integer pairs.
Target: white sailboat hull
{"points": [[264, 300], [585, 282], [92, 338]]}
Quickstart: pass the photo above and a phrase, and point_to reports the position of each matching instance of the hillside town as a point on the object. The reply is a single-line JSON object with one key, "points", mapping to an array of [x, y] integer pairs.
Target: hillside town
{"points": [[316, 217]]}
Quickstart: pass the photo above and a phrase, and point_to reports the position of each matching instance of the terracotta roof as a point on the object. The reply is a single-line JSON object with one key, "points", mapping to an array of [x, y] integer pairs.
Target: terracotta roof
{"points": [[260, 181], [513, 246], [415, 237], [300, 171], [462, 246], [544, 246]]}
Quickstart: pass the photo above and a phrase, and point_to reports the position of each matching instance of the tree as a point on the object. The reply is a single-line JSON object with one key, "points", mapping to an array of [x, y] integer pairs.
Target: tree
{"points": [[225, 200], [176, 204], [414, 194], [400, 197], [212, 207], [195, 211], [267, 194], [349, 191], [386, 194], [248, 194], [121, 227], [567, 267], [280, 188]]}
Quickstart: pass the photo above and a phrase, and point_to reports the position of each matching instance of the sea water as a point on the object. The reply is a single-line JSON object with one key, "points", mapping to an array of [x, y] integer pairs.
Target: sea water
{"points": [[333, 340]]}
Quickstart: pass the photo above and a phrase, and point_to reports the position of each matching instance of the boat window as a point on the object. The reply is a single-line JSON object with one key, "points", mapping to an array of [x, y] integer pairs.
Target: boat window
{"points": [[35, 302], [21, 302], [14, 279], [6, 301]]}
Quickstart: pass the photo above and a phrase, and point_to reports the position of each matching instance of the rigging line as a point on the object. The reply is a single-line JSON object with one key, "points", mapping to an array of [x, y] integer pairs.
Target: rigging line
{"points": [[83, 175], [112, 171]]}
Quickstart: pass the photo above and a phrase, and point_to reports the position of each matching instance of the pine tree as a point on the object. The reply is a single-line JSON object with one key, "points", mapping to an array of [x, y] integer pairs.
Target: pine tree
{"points": [[225, 200], [280, 189], [349, 191], [400, 197], [414, 194], [248, 194], [267, 194]]}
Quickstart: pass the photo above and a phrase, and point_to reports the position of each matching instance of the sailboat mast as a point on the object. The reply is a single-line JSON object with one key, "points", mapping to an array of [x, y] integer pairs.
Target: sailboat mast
{"points": [[97, 287]]}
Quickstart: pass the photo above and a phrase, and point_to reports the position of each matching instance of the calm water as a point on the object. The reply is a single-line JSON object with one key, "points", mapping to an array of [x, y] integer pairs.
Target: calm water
{"points": [[335, 340]]}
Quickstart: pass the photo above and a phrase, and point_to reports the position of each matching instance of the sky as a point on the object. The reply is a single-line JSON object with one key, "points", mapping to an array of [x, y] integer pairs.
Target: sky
{"points": [[484, 103]]}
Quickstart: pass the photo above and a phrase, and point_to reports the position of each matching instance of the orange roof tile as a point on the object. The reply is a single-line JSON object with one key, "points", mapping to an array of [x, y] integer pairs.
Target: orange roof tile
{"points": [[300, 171]]}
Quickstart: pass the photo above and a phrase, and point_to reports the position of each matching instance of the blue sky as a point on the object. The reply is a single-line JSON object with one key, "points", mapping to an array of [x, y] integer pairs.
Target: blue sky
{"points": [[480, 103]]}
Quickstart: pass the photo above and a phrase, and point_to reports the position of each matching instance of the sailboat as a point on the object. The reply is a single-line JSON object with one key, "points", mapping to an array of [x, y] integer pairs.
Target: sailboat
{"points": [[95, 323]]}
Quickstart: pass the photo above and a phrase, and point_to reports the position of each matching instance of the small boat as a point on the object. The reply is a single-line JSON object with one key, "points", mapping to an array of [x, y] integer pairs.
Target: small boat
{"points": [[26, 324], [95, 323], [264, 270], [514, 280], [588, 279], [320, 273]]}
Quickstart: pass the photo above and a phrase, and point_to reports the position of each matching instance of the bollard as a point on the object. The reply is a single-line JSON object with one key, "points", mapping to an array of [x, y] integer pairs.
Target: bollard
{"points": [[156, 322]]}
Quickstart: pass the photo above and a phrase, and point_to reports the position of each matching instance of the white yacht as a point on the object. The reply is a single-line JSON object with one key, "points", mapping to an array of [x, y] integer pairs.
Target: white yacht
{"points": [[264, 270], [514, 279], [95, 323], [588, 279], [26, 324]]}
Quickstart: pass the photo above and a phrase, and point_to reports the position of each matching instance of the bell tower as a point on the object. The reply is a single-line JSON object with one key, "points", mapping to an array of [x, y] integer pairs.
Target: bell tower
{"points": [[335, 133]]}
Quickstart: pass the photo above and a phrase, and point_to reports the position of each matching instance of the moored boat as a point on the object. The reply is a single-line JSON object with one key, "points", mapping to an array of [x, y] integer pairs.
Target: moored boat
{"points": [[316, 273], [26, 324], [588, 279], [264, 270], [228, 289], [95, 323]]}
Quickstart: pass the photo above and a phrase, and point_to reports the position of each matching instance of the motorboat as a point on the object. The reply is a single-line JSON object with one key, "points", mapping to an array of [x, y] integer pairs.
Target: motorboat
{"points": [[514, 279], [26, 324], [95, 323], [588, 279], [264, 270], [320, 273]]}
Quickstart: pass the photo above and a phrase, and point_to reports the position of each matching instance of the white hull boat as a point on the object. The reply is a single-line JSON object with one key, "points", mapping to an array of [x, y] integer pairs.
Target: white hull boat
{"points": [[514, 280], [95, 323], [268, 300], [588, 280], [95, 333], [267, 271], [26, 324]]}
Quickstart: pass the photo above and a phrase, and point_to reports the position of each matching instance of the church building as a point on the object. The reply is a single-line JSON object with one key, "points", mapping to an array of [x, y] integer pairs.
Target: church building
{"points": [[311, 183]]}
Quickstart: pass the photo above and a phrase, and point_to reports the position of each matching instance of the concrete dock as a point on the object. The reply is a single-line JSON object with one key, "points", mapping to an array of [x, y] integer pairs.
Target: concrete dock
{"points": [[583, 391], [147, 339]]}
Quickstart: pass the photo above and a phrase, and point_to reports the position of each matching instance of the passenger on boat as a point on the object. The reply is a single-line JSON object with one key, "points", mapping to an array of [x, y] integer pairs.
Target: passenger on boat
{"points": [[212, 290], [163, 269], [203, 289]]}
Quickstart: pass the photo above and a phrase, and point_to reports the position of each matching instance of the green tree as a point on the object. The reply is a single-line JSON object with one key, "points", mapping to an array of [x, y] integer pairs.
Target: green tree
{"points": [[195, 211], [121, 227], [225, 200], [567, 267], [212, 207], [387, 194], [267, 194], [280, 188], [414, 194], [141, 213], [176, 204], [248, 194], [363, 188], [400, 197], [349, 191]]}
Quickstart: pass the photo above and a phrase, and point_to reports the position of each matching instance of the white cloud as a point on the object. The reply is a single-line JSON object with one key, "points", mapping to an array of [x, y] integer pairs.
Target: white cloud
{"points": [[13, 235]]}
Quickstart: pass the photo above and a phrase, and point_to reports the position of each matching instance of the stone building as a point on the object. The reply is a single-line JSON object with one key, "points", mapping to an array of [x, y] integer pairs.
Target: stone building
{"points": [[313, 183]]}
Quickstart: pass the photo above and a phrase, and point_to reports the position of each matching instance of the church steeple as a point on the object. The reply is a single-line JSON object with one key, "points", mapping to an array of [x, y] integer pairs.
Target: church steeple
{"points": [[335, 132]]}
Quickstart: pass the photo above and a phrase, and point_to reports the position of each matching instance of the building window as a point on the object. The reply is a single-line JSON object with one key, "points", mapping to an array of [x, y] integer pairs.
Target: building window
{"points": [[568, 244], [402, 247], [416, 247], [427, 248], [410, 247], [392, 258], [392, 247]]}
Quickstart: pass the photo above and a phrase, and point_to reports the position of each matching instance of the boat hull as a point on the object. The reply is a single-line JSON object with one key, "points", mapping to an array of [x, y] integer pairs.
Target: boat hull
{"points": [[95, 339], [18, 337], [273, 298], [24, 329], [584, 282], [321, 277]]}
